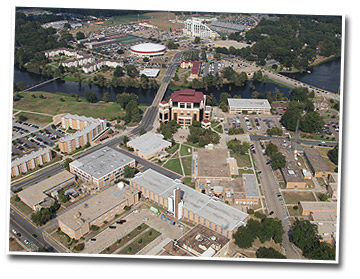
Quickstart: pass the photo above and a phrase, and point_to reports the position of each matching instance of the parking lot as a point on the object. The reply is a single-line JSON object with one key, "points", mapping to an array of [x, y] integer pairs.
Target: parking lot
{"points": [[133, 219], [29, 137]]}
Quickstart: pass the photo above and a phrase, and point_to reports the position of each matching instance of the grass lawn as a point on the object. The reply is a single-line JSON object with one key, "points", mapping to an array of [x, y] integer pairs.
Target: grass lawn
{"points": [[131, 235], [293, 212], [219, 129], [140, 242], [14, 245], [187, 181], [21, 206], [36, 118], [241, 171], [52, 105], [187, 163], [293, 197], [174, 165], [242, 160], [173, 149], [184, 150]]}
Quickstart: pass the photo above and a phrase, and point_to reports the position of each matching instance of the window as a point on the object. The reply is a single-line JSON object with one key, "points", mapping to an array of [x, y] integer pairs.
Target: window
{"points": [[182, 105]]}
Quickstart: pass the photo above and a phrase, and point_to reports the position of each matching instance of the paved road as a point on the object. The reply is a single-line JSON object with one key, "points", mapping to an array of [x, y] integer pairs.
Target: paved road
{"points": [[270, 188], [28, 231], [256, 137], [146, 123]]}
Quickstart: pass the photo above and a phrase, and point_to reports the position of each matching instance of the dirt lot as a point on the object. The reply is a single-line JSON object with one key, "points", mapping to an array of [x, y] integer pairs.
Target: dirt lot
{"points": [[294, 197]]}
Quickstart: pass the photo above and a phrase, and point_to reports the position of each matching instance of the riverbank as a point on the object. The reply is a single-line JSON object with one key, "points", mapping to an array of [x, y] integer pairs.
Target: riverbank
{"points": [[57, 103]]}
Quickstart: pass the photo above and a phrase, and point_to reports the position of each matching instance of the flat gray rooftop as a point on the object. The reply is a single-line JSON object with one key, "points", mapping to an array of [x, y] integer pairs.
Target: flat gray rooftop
{"points": [[317, 162], [250, 184], [102, 162], [249, 103], [149, 143], [213, 210]]}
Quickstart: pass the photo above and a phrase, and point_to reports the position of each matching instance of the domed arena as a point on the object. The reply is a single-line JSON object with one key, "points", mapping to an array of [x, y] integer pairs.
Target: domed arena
{"points": [[148, 49]]}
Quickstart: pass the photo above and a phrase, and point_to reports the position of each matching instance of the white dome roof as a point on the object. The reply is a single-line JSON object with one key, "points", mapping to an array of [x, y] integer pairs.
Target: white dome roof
{"points": [[148, 47]]}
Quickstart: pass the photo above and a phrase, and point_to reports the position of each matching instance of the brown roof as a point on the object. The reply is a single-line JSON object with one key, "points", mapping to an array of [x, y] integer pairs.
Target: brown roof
{"points": [[213, 163], [316, 160]]}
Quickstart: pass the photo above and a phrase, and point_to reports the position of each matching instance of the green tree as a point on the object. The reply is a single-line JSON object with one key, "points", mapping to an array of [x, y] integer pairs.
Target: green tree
{"points": [[333, 154], [269, 253], [129, 172], [106, 97], [80, 35], [91, 97]]}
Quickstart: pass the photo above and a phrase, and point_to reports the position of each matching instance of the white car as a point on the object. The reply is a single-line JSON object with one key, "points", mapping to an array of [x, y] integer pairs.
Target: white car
{"points": [[136, 211]]}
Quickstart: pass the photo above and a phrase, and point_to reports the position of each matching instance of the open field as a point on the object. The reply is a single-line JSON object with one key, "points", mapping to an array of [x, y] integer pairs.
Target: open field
{"points": [[36, 118], [125, 19], [294, 197], [166, 25], [53, 105]]}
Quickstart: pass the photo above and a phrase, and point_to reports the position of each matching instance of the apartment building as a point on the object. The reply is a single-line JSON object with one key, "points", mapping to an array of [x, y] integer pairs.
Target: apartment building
{"points": [[101, 167], [88, 130], [30, 161], [185, 106]]}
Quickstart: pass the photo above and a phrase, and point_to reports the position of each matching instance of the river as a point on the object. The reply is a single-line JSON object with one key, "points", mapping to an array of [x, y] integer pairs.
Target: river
{"points": [[326, 75]]}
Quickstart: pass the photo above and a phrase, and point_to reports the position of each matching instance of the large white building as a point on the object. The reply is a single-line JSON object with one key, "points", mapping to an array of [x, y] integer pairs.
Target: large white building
{"points": [[195, 28], [249, 106], [148, 49]]}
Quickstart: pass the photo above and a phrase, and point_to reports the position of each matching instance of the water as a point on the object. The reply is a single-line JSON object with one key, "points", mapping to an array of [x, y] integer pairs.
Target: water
{"points": [[325, 76]]}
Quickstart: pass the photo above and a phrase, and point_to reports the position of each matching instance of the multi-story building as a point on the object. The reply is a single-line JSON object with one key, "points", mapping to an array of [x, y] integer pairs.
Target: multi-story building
{"points": [[195, 27], [88, 130], [94, 66], [185, 106], [317, 163], [30, 161], [188, 204], [249, 106], [101, 167], [101, 208]]}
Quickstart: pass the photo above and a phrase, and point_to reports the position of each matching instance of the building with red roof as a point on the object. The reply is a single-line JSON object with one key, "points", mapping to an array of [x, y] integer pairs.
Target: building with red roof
{"points": [[185, 106]]}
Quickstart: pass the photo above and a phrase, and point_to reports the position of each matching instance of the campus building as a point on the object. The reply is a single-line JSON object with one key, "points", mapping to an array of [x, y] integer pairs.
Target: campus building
{"points": [[39, 195], [200, 241], [88, 130], [149, 145], [249, 106], [101, 166], [317, 163], [332, 187], [185, 106], [195, 27], [213, 164], [102, 207], [194, 66], [307, 208], [30, 161], [188, 204], [96, 65]]}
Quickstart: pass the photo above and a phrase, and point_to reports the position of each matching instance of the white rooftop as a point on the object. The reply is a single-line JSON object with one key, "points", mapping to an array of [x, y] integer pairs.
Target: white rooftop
{"points": [[149, 72], [211, 209], [29, 156], [102, 162], [249, 103], [149, 143]]}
